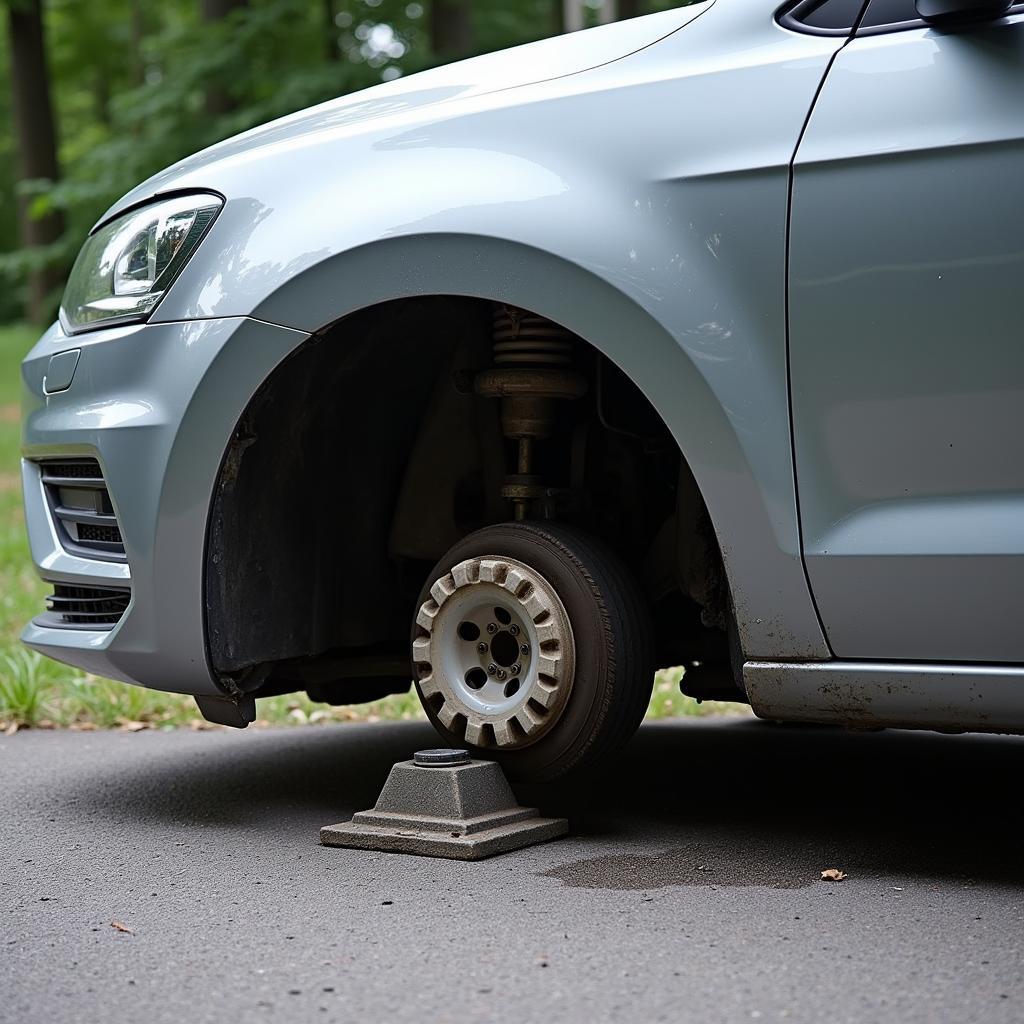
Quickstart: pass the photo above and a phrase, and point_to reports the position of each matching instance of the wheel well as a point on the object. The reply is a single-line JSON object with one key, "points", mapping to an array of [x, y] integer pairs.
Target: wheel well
{"points": [[367, 454]]}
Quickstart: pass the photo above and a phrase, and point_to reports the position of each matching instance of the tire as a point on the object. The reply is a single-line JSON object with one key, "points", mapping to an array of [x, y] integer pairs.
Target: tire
{"points": [[585, 684]]}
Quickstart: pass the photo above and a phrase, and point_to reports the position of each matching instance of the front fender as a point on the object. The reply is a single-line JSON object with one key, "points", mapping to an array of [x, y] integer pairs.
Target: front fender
{"points": [[642, 205]]}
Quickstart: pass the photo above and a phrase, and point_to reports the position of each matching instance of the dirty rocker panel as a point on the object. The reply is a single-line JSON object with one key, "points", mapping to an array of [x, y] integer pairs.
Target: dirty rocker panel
{"points": [[953, 698]]}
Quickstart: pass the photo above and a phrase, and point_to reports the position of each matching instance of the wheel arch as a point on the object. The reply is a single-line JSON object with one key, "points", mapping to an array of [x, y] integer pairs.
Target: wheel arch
{"points": [[709, 421]]}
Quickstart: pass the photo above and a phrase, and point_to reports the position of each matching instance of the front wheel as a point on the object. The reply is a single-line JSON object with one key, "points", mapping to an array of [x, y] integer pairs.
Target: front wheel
{"points": [[532, 645]]}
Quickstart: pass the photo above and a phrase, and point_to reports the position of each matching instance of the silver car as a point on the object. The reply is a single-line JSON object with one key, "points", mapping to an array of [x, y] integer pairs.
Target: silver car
{"points": [[694, 339]]}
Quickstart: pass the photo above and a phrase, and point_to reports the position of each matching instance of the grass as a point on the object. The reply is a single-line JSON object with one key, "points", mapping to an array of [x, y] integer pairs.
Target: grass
{"points": [[37, 692]]}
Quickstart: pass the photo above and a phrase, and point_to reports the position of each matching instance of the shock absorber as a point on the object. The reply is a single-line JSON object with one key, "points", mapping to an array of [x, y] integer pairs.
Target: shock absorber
{"points": [[532, 370]]}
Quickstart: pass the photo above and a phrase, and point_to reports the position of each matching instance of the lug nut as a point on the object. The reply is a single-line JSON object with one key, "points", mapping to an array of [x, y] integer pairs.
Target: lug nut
{"points": [[492, 628], [501, 673], [491, 669], [524, 649], [514, 629], [482, 647], [516, 669]]}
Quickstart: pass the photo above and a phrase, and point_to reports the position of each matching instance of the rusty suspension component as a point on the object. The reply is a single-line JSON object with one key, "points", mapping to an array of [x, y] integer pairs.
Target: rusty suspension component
{"points": [[532, 371]]}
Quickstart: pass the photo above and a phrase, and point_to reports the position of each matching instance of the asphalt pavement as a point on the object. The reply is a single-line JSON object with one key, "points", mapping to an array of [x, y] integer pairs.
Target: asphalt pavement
{"points": [[688, 890]]}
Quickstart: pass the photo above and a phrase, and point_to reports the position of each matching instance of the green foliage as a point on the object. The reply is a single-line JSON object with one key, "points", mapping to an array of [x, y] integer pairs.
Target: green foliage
{"points": [[23, 688], [668, 702], [21, 593]]}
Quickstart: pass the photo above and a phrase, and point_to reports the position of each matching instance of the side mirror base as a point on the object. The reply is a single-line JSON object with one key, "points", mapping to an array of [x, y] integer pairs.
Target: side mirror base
{"points": [[959, 12]]}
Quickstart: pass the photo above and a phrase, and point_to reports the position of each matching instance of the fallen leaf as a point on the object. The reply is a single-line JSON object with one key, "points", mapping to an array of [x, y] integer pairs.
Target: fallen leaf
{"points": [[127, 725], [118, 926], [11, 729], [833, 875]]}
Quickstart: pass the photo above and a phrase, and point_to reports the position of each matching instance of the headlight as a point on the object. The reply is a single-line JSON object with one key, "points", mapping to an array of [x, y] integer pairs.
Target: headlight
{"points": [[125, 267]]}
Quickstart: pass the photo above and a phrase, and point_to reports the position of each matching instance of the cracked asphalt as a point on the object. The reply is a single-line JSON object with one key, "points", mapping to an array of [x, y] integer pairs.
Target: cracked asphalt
{"points": [[688, 890]]}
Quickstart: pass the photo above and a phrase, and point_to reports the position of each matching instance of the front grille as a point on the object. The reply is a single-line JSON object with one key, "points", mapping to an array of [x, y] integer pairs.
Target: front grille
{"points": [[86, 606], [81, 507]]}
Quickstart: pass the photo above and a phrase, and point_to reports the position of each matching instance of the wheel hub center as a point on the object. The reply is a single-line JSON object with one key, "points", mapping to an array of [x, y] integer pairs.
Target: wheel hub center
{"points": [[505, 648]]}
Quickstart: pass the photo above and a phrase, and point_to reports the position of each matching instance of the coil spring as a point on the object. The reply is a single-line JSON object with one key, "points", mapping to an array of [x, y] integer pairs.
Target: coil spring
{"points": [[525, 339]]}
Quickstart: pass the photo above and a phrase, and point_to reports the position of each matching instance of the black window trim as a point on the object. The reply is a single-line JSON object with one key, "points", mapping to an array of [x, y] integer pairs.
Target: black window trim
{"points": [[789, 15]]}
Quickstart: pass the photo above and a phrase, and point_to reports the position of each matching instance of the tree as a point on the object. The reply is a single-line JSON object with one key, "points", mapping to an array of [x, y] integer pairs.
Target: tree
{"points": [[331, 42], [218, 99], [630, 9], [451, 29], [36, 133], [137, 16]]}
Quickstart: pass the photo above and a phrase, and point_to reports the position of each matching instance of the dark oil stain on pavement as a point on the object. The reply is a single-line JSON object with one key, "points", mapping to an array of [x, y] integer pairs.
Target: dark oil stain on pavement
{"points": [[682, 866]]}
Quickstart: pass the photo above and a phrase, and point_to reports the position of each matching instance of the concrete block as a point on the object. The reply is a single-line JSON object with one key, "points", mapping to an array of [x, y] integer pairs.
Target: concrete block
{"points": [[464, 811]]}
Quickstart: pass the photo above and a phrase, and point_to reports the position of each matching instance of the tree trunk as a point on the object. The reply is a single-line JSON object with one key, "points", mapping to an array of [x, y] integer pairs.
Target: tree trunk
{"points": [[631, 9], [138, 26], [101, 97], [218, 100], [573, 19], [36, 133], [451, 29], [331, 42], [214, 10]]}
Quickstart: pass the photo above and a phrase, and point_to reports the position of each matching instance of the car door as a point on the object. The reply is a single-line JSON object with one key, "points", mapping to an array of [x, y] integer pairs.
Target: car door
{"points": [[906, 289]]}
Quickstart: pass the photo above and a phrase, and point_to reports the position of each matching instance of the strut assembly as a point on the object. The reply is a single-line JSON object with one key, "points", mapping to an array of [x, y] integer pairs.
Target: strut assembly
{"points": [[533, 369]]}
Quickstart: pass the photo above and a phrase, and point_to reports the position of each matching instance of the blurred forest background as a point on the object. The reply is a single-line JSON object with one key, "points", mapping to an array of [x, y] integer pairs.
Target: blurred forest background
{"points": [[97, 95]]}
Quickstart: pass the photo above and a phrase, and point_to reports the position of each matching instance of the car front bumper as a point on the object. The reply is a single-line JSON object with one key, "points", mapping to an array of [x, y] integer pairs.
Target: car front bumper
{"points": [[156, 406]]}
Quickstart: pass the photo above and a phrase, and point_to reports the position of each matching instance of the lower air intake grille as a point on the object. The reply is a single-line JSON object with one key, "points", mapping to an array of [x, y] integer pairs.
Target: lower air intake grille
{"points": [[86, 606], [88, 532], [81, 506]]}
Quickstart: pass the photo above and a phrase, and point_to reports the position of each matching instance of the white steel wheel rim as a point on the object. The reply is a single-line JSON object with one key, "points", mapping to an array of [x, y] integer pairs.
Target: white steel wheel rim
{"points": [[466, 678]]}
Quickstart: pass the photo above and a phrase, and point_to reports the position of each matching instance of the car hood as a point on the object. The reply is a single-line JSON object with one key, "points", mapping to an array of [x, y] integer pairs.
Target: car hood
{"points": [[547, 59]]}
